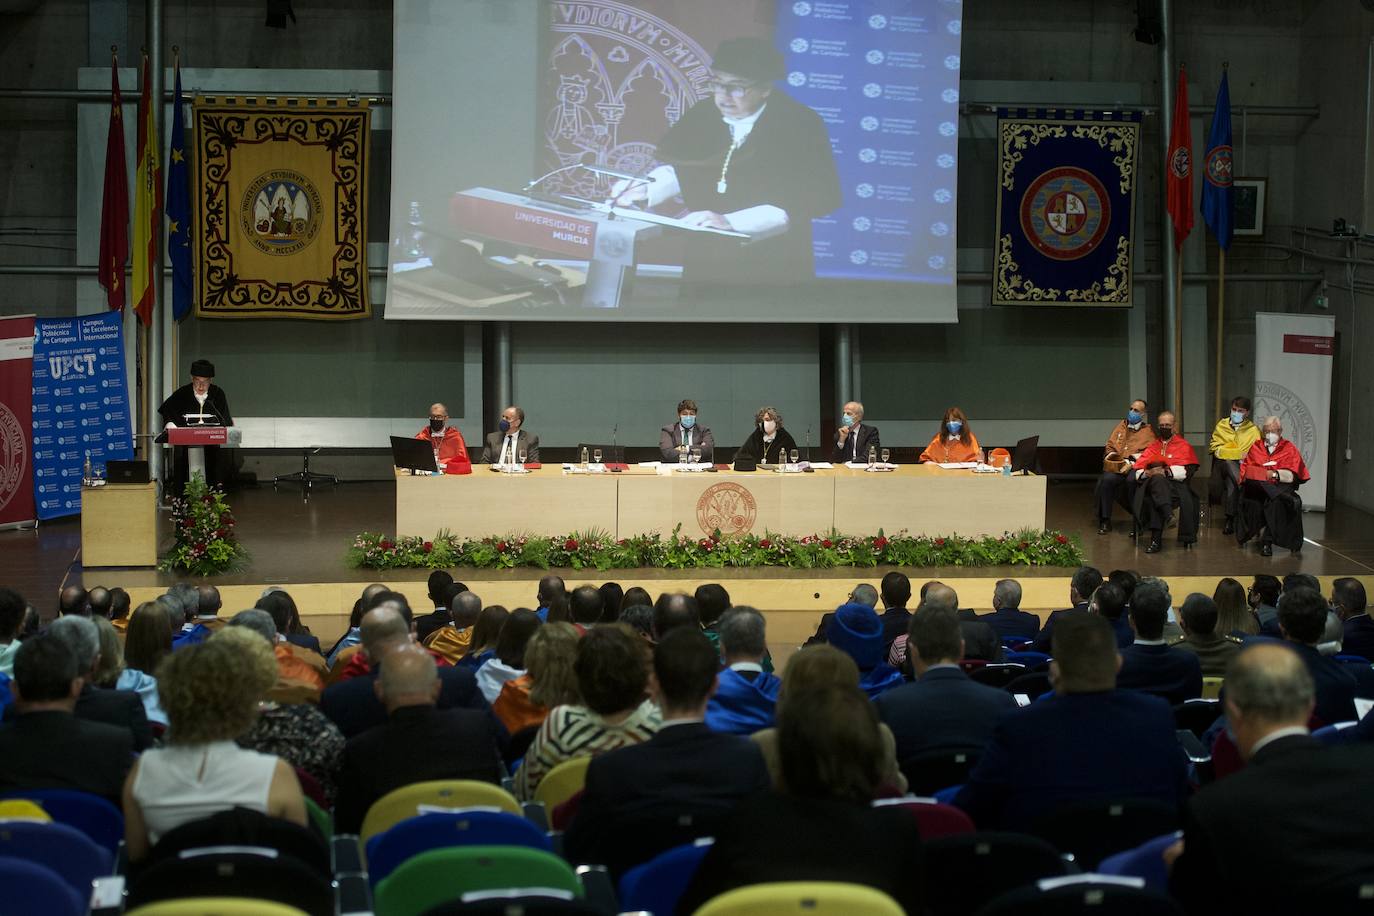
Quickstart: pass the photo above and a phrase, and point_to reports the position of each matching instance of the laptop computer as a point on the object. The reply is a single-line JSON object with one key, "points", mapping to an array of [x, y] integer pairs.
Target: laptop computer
{"points": [[126, 471], [1023, 459], [412, 454]]}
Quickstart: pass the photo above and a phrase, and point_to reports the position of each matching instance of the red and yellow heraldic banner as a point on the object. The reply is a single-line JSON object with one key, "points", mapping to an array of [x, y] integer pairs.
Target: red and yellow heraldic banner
{"points": [[281, 202]]}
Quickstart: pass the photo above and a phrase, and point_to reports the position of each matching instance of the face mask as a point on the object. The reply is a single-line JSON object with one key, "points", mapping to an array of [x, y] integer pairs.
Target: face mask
{"points": [[1271, 438], [504, 425], [954, 426], [435, 424], [1134, 416], [847, 419], [1237, 418], [687, 421], [770, 427], [1166, 432]]}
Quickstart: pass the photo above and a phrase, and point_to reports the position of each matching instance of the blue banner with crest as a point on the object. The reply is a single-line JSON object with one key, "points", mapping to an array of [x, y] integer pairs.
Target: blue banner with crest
{"points": [[80, 406], [1065, 207]]}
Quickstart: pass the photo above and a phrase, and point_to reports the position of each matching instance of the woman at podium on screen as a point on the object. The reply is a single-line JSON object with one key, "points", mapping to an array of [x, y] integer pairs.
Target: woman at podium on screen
{"points": [[197, 403], [748, 159], [955, 442]]}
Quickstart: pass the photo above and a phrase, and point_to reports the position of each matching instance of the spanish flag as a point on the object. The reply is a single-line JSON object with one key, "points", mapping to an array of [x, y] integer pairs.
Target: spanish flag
{"points": [[147, 202]]}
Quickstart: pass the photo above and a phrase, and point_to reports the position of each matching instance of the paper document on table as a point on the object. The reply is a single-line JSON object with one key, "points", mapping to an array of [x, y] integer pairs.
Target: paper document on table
{"points": [[820, 465], [958, 465], [649, 464]]}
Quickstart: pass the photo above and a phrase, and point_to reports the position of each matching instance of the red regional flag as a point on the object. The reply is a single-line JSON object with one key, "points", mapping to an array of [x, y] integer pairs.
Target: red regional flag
{"points": [[1179, 188], [114, 208], [147, 202]]}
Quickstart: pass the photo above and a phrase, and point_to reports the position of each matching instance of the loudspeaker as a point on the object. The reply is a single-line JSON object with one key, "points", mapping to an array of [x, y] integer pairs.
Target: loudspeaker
{"points": [[1148, 27]]}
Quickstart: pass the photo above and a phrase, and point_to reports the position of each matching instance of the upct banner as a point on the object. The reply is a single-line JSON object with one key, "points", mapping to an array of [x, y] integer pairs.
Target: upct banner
{"points": [[80, 406], [1293, 356], [16, 420]]}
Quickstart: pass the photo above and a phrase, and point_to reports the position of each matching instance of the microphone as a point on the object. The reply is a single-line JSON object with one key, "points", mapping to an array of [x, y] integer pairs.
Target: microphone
{"points": [[614, 429], [624, 176]]}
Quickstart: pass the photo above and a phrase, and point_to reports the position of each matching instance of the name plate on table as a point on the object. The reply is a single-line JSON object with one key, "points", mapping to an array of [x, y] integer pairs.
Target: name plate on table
{"points": [[198, 435]]}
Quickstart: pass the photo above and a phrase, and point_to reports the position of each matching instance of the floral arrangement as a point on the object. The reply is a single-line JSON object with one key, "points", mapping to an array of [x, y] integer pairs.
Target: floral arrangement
{"points": [[596, 549], [205, 541]]}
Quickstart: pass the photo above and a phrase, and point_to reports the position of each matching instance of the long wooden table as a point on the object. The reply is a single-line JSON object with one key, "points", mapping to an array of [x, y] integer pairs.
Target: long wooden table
{"points": [[922, 499]]}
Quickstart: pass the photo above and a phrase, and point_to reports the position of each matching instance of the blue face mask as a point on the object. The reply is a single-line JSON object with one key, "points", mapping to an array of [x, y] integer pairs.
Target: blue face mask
{"points": [[1237, 418], [504, 425], [1134, 416], [954, 426], [687, 421], [847, 420]]}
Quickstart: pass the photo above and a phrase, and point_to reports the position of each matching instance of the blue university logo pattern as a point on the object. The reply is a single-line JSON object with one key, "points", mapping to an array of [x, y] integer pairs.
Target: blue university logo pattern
{"points": [[1065, 213], [1299, 426]]}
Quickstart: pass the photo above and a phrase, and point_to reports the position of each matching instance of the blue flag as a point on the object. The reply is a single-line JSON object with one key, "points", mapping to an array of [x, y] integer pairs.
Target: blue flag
{"points": [[1218, 204], [179, 211]]}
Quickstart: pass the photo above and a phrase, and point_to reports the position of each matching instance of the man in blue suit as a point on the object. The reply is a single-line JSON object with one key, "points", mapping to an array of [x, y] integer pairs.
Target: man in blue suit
{"points": [[1089, 741], [746, 695], [1302, 619], [1149, 664], [1007, 618], [942, 708], [1085, 581], [1109, 603], [1348, 600]]}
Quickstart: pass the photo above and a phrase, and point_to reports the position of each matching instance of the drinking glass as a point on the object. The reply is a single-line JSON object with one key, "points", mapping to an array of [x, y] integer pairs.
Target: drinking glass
{"points": [[596, 456], [523, 456], [696, 456], [793, 456], [887, 455]]}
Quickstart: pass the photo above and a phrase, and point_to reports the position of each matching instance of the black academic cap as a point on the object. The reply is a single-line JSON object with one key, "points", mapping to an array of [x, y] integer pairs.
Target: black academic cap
{"points": [[203, 368], [751, 58]]}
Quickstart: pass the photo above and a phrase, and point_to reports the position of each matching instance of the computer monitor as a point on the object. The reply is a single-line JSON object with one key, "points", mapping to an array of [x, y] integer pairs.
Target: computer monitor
{"points": [[1023, 459], [414, 454]]}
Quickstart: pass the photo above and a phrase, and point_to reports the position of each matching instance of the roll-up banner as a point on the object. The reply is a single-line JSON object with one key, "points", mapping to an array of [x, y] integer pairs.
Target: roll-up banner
{"points": [[1293, 356], [16, 421]]}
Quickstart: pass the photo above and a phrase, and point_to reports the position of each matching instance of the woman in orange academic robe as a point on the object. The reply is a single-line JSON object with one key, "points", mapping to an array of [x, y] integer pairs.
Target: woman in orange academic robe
{"points": [[955, 442]]}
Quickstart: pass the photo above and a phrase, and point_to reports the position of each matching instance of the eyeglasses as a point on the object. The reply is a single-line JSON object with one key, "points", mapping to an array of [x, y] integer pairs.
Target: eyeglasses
{"points": [[734, 90]]}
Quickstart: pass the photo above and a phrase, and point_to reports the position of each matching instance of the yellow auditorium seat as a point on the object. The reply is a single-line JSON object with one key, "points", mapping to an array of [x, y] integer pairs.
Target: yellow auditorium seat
{"points": [[216, 906], [802, 898], [562, 782], [399, 804]]}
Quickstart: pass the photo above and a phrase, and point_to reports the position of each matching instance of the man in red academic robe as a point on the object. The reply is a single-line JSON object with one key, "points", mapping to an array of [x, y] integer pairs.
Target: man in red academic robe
{"points": [[1270, 507], [450, 451], [1162, 474]]}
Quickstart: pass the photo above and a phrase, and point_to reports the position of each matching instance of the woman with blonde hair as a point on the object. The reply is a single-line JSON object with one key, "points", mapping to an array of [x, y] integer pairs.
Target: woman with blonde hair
{"points": [[210, 693], [549, 679], [113, 671]]}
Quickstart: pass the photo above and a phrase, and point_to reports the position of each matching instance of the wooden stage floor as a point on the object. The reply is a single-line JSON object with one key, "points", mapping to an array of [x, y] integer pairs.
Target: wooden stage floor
{"points": [[300, 544]]}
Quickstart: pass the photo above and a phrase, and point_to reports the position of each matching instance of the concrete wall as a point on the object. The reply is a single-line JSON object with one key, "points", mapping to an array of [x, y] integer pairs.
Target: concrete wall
{"points": [[1281, 52]]}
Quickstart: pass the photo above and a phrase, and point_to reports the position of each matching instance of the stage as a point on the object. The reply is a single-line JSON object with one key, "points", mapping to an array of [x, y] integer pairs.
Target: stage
{"points": [[299, 545]]}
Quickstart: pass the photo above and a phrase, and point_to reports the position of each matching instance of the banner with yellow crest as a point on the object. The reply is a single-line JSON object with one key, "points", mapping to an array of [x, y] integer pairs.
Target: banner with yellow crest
{"points": [[281, 203]]}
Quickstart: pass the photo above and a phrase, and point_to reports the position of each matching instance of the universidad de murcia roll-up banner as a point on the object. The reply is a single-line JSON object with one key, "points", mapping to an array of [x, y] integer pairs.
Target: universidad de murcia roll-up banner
{"points": [[16, 420], [1293, 356], [80, 406]]}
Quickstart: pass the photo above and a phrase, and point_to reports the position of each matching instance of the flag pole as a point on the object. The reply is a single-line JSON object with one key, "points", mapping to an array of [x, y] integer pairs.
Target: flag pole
{"points": [[1178, 344], [1221, 327]]}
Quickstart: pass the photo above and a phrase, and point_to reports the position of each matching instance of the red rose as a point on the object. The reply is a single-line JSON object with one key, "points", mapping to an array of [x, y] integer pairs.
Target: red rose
{"points": [[220, 532], [1024, 545], [427, 546], [620, 543], [827, 543], [765, 543], [501, 546], [1061, 539], [385, 544], [705, 543], [939, 542], [879, 543], [570, 545]]}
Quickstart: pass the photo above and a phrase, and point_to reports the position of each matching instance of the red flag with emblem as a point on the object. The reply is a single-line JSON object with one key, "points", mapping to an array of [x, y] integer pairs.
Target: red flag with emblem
{"points": [[1179, 168], [114, 207]]}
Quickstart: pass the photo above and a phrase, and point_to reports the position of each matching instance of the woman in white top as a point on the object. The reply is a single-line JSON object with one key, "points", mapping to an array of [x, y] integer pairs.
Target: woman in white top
{"points": [[509, 661], [210, 693]]}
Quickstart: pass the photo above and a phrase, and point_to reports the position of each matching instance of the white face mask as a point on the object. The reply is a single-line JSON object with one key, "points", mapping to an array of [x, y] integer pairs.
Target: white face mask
{"points": [[1271, 438], [770, 427]]}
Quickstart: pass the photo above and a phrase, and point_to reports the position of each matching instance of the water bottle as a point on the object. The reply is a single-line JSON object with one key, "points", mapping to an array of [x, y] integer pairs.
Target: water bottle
{"points": [[86, 477], [583, 462], [1006, 468], [872, 456]]}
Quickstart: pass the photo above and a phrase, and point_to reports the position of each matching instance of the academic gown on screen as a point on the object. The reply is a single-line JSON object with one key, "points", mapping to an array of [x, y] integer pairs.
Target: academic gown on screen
{"points": [[174, 410], [785, 161]]}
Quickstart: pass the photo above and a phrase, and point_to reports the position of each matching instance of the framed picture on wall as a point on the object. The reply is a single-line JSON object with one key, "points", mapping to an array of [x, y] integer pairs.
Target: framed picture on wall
{"points": [[1249, 200]]}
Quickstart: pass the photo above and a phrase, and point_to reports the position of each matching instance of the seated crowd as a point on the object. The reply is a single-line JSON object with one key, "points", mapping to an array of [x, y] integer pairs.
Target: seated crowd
{"points": [[176, 712]]}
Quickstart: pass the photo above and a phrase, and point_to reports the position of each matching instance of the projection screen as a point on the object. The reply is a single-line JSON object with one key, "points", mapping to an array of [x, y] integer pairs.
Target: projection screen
{"points": [[674, 160]]}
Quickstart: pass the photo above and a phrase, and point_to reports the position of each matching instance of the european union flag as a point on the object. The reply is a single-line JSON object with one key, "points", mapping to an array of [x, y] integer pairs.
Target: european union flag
{"points": [[1218, 205], [179, 211]]}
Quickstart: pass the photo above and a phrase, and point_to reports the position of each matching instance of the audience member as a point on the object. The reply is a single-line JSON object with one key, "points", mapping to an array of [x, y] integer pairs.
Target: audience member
{"points": [[359, 662], [1263, 597], [119, 608], [122, 708], [1085, 581], [640, 619], [943, 709], [453, 640], [1282, 834], [98, 601], [1234, 615], [287, 618], [856, 630], [552, 594], [823, 828], [745, 694], [72, 600], [585, 604], [1125, 579], [548, 681], [712, 601], [862, 593], [210, 691], [1348, 600], [206, 619], [419, 741], [43, 744], [11, 619], [437, 589], [354, 705], [509, 661], [673, 610], [1302, 618], [896, 594], [647, 798], [1007, 619], [112, 672], [296, 681], [933, 594], [612, 670], [1148, 664], [1087, 741], [296, 732], [1200, 637], [636, 597], [1172, 632], [352, 637], [612, 596], [1109, 603], [485, 632], [148, 638], [819, 667]]}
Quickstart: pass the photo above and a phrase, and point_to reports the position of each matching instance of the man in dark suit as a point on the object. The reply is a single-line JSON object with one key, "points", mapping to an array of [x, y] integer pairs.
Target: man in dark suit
{"points": [[677, 786], [677, 438], [1085, 581], [942, 708], [1302, 619], [418, 743], [1109, 603], [1148, 664], [854, 438], [511, 440], [1087, 742], [354, 705], [45, 746], [896, 592], [121, 708], [1348, 600], [1277, 835], [1007, 618], [438, 589]]}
